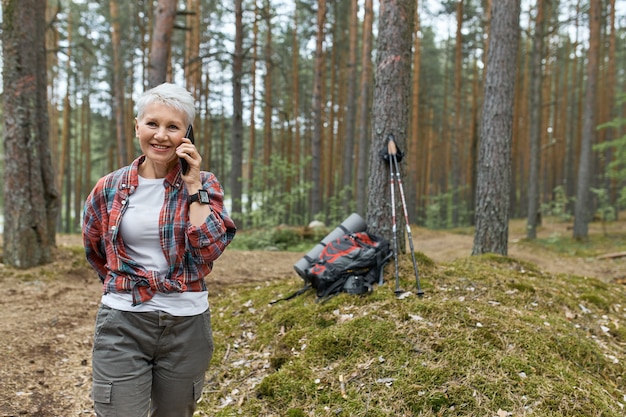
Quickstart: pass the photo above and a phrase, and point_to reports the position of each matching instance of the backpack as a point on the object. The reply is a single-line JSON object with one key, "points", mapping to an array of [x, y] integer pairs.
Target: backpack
{"points": [[351, 263]]}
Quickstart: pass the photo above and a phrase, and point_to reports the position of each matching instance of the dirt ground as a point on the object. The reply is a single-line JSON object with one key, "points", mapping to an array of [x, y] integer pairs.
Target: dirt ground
{"points": [[47, 325]]}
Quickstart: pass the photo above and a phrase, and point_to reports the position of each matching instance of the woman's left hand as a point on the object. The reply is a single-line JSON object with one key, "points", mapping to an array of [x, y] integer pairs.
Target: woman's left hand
{"points": [[187, 151]]}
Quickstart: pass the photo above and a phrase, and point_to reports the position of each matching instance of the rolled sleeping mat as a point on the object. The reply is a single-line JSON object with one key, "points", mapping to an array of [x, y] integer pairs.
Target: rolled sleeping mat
{"points": [[353, 224]]}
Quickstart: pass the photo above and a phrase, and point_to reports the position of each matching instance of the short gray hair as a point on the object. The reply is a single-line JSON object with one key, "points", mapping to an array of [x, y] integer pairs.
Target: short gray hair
{"points": [[171, 95]]}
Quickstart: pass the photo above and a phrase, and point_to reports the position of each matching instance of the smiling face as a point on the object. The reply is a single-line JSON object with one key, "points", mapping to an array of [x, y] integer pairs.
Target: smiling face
{"points": [[160, 130]]}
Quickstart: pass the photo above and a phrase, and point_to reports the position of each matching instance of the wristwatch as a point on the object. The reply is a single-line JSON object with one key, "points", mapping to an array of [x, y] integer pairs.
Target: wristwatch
{"points": [[202, 197]]}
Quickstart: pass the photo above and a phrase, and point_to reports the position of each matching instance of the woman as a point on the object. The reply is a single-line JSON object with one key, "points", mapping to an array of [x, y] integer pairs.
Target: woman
{"points": [[152, 233]]}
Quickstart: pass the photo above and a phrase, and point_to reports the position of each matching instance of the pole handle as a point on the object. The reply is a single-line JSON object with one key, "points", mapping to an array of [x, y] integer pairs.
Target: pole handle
{"points": [[391, 147]]}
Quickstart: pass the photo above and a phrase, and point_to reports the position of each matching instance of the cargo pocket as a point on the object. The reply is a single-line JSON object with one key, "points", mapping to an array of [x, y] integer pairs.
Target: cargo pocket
{"points": [[197, 389], [102, 392]]}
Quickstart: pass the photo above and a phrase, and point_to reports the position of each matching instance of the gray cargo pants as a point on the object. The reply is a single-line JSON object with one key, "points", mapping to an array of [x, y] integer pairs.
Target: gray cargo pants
{"points": [[149, 362]]}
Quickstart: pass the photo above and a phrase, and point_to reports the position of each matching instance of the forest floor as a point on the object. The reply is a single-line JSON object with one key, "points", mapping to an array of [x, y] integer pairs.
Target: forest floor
{"points": [[48, 312]]}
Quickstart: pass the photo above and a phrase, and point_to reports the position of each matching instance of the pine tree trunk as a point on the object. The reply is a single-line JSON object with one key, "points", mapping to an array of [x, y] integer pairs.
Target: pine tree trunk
{"points": [[390, 110], [118, 85], [161, 42], [237, 128], [348, 151], [610, 110], [206, 128], [268, 105], [494, 159], [316, 141], [583, 191], [536, 76], [64, 159], [333, 90], [473, 151], [570, 137], [297, 138], [442, 166], [252, 129], [364, 105], [521, 136], [31, 198], [52, 44], [193, 62], [459, 133], [416, 151]]}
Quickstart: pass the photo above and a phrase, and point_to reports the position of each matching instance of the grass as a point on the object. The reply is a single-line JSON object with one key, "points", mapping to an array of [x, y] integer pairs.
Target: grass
{"points": [[285, 238], [492, 336], [556, 236]]}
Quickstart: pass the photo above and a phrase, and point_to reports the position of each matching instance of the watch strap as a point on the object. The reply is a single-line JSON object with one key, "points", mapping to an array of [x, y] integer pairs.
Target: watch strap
{"points": [[202, 197]]}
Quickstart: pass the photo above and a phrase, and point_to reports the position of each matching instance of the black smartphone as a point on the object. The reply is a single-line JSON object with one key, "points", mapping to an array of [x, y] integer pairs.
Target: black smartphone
{"points": [[184, 166]]}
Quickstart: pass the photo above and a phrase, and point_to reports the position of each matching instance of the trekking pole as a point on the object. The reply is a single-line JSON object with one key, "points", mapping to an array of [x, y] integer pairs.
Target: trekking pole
{"points": [[393, 151], [394, 230]]}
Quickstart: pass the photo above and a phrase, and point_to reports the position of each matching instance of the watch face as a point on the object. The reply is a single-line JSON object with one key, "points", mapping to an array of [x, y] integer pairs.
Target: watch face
{"points": [[204, 196]]}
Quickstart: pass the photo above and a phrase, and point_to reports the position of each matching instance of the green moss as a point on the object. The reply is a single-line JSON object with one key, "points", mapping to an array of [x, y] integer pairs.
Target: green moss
{"points": [[491, 333], [596, 299], [521, 286]]}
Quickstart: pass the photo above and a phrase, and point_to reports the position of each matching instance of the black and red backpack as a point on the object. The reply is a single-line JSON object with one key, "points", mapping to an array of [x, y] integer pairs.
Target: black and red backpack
{"points": [[351, 263]]}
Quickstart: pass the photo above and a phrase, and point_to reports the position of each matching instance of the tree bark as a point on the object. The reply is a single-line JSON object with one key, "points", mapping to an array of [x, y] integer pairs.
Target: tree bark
{"points": [[31, 198], [268, 97], [65, 171], [536, 102], [161, 42], [518, 195], [391, 105], [417, 152], [456, 139], [494, 160], [571, 131], [581, 211], [442, 164], [193, 63], [348, 151], [316, 142], [63, 168], [364, 104], [118, 84], [298, 206], [237, 129], [610, 109], [333, 93], [52, 44], [252, 128]]}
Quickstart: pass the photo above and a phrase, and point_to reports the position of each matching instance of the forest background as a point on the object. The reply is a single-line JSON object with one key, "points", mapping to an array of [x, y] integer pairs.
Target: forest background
{"points": [[491, 334], [98, 54]]}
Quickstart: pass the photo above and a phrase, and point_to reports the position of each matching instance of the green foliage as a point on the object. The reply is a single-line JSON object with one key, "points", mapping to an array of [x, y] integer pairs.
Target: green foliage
{"points": [[252, 240], [621, 200], [492, 334], [565, 246], [616, 167], [433, 215], [604, 210], [336, 209], [277, 238], [272, 205], [285, 237], [558, 206], [439, 212]]}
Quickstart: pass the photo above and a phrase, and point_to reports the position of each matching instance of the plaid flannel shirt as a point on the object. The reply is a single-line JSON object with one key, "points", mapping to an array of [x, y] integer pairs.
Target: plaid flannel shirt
{"points": [[190, 250]]}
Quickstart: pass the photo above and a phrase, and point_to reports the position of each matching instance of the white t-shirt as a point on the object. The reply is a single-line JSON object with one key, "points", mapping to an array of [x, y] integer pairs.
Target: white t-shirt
{"points": [[140, 232]]}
